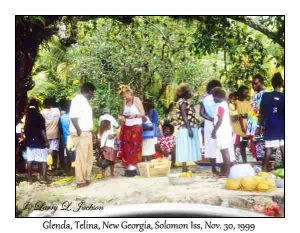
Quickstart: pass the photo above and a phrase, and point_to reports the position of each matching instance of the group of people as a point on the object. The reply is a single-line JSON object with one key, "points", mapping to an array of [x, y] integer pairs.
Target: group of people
{"points": [[229, 123], [258, 124]]}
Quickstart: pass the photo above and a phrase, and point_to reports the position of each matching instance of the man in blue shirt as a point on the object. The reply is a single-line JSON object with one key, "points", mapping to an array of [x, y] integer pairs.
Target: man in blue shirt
{"points": [[65, 125], [272, 114]]}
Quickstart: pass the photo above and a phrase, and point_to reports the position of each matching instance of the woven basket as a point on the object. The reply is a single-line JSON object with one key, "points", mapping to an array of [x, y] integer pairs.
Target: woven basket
{"points": [[154, 169]]}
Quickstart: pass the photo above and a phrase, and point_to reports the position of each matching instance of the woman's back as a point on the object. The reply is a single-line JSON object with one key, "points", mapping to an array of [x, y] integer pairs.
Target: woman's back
{"points": [[34, 125]]}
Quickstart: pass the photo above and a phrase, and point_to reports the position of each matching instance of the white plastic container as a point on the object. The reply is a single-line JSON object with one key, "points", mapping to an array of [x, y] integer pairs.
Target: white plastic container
{"points": [[279, 183], [241, 170]]}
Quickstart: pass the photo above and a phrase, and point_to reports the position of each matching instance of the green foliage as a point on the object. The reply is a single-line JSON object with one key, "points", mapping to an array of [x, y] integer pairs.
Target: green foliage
{"points": [[153, 55]]}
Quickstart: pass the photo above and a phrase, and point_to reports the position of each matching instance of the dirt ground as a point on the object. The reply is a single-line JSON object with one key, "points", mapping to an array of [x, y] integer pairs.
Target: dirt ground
{"points": [[119, 190]]}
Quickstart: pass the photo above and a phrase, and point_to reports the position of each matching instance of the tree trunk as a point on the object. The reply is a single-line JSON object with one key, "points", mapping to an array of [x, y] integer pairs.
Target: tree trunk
{"points": [[29, 35]]}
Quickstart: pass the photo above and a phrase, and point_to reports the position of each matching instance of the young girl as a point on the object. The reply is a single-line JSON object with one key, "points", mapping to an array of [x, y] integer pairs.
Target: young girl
{"points": [[107, 143], [167, 143], [222, 130], [148, 146]]}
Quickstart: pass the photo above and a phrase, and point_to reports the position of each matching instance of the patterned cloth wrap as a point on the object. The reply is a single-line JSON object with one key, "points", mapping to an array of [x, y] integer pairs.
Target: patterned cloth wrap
{"points": [[131, 144]]}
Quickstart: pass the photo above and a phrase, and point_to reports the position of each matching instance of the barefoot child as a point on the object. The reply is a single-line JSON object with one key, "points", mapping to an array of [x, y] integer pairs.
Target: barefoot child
{"points": [[222, 130], [107, 142]]}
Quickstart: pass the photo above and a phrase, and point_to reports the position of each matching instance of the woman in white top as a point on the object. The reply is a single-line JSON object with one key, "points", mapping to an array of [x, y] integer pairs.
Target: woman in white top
{"points": [[131, 131]]}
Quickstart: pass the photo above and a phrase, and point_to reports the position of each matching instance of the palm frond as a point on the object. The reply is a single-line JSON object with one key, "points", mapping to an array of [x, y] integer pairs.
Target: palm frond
{"points": [[63, 72]]}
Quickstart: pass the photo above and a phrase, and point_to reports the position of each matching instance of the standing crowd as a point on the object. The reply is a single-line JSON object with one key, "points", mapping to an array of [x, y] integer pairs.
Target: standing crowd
{"points": [[230, 125]]}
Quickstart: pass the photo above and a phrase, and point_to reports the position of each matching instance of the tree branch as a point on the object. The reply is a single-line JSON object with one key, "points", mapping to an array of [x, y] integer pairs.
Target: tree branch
{"points": [[249, 22]]}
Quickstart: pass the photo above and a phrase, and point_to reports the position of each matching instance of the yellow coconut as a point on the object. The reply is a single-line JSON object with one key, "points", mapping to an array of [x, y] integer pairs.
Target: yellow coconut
{"points": [[233, 184], [262, 187], [263, 174], [249, 183]]}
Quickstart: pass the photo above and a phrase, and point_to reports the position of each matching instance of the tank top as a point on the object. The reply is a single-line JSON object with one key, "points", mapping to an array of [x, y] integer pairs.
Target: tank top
{"points": [[129, 110]]}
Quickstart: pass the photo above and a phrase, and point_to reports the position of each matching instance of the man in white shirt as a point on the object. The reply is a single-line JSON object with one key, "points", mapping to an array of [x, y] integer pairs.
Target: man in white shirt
{"points": [[106, 116], [81, 127]]}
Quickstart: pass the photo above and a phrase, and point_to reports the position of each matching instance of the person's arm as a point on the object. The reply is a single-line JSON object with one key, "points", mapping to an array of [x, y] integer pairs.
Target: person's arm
{"points": [[184, 118], [42, 121], [158, 149], [115, 123], [76, 125], [75, 114], [261, 117], [148, 127], [219, 122], [203, 113], [243, 116], [45, 138], [154, 117], [140, 107]]}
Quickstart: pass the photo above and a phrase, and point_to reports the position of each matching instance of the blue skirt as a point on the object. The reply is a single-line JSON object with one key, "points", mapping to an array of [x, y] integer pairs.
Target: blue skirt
{"points": [[187, 148]]}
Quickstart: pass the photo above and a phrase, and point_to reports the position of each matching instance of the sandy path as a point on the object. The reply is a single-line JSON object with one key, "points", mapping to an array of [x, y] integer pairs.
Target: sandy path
{"points": [[206, 189]]}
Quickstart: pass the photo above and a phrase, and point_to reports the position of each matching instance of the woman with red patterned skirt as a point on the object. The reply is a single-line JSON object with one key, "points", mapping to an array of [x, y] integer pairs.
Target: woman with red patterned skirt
{"points": [[131, 131]]}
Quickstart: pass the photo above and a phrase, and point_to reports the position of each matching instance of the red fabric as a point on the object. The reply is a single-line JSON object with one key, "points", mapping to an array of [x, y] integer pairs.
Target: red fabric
{"points": [[131, 144], [252, 148], [158, 155], [221, 111], [237, 139], [167, 143], [110, 154]]}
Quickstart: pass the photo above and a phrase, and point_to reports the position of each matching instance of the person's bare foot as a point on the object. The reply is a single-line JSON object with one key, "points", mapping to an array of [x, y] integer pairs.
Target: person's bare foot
{"points": [[30, 181], [215, 171]]}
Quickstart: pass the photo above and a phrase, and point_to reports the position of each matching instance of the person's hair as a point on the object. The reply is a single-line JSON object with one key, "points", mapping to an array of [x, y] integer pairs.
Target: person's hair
{"points": [[218, 92], [66, 105], [48, 102], [124, 89], [241, 90], [182, 90], [148, 101], [147, 106], [277, 80], [231, 95], [87, 87], [212, 84], [168, 125], [259, 77], [33, 104], [104, 126]]}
